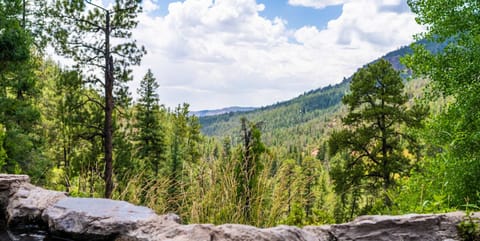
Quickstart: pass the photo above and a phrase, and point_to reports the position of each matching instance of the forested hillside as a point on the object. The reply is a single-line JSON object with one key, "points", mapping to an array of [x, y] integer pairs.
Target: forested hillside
{"points": [[232, 109], [294, 124], [306, 116]]}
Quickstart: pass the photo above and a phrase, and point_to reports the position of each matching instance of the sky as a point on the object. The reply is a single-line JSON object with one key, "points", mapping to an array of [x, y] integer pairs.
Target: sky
{"points": [[219, 53]]}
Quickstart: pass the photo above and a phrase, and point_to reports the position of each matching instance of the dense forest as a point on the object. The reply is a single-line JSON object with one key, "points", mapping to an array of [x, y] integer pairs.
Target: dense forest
{"points": [[401, 135]]}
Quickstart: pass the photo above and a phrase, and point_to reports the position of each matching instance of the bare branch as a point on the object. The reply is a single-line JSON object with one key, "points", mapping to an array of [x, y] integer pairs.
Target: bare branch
{"points": [[94, 101], [87, 46]]}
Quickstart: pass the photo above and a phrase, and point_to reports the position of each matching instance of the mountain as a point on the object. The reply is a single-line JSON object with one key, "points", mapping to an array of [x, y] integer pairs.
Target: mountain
{"points": [[302, 121], [233, 109]]}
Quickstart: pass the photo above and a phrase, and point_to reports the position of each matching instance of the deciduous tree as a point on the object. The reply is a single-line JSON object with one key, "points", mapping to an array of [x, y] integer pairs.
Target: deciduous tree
{"points": [[454, 73]]}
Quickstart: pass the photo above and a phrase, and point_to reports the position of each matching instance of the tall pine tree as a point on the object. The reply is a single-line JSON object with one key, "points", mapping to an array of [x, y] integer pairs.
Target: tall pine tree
{"points": [[249, 166], [87, 37], [373, 138], [18, 92], [151, 143]]}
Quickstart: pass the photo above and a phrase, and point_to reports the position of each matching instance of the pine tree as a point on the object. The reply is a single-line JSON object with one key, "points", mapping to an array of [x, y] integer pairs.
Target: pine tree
{"points": [[249, 166], [62, 111], [18, 92], [373, 139], [283, 192], [177, 156], [126, 164], [151, 146], [85, 36], [194, 140]]}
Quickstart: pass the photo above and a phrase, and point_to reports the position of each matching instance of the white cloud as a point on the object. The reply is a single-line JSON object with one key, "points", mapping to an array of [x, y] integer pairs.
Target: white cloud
{"points": [[319, 4], [150, 6], [221, 53]]}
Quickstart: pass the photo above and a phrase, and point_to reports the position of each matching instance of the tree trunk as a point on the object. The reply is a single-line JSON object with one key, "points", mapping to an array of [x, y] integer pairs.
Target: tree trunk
{"points": [[386, 171], [108, 127]]}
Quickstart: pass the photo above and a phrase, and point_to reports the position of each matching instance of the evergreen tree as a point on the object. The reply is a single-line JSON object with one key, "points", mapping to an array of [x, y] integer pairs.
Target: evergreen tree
{"points": [[61, 111], [283, 192], [249, 166], [73, 130], [177, 156], [14, 41], [126, 165], [151, 147], [18, 91], [373, 139], [227, 149], [88, 163], [194, 140], [310, 178], [85, 36]]}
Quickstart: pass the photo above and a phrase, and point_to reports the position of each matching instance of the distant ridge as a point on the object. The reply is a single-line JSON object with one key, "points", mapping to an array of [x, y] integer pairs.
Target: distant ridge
{"points": [[309, 112], [232, 109]]}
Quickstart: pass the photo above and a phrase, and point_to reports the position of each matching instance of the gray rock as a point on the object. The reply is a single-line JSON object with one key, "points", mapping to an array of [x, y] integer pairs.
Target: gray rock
{"points": [[170, 217], [95, 218], [321, 232], [103, 219], [425, 227], [227, 232], [28, 203], [22, 203], [6, 181], [9, 184]]}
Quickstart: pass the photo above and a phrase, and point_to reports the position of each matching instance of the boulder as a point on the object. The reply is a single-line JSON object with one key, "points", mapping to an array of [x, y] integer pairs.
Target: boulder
{"points": [[8, 181], [425, 227], [9, 184], [96, 218], [102, 219], [27, 204], [227, 232]]}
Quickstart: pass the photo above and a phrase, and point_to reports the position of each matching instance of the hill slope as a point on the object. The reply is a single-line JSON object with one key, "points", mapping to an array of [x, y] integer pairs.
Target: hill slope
{"points": [[280, 115], [302, 121], [226, 110]]}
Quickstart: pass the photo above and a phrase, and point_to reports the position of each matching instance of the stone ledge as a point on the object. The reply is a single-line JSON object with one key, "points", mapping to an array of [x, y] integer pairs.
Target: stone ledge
{"points": [[101, 219], [6, 180]]}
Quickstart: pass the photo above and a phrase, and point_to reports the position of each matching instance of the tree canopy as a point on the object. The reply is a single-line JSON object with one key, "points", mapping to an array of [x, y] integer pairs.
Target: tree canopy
{"points": [[373, 138], [454, 75], [86, 36]]}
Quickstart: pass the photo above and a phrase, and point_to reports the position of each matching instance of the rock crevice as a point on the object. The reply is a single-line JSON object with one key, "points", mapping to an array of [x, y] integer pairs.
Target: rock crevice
{"points": [[25, 205]]}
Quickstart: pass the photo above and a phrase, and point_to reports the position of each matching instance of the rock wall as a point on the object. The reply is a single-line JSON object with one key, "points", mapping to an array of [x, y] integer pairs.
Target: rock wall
{"points": [[24, 205]]}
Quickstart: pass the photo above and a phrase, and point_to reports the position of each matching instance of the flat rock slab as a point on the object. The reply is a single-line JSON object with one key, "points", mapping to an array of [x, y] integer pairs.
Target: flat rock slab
{"points": [[410, 227], [95, 217], [227, 232], [104, 219]]}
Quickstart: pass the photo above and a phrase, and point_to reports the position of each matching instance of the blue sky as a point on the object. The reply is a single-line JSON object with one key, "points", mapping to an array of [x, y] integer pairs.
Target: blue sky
{"points": [[296, 16], [299, 16], [213, 54]]}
